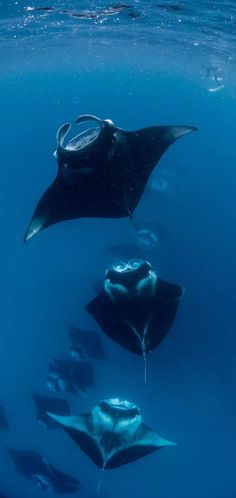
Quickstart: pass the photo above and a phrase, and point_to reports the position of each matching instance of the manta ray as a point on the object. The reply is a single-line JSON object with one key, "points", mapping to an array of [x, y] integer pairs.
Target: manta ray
{"points": [[46, 476], [86, 343], [102, 171], [112, 434], [135, 307]]}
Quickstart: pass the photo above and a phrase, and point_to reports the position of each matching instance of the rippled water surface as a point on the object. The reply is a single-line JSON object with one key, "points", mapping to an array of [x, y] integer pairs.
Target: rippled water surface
{"points": [[200, 30]]}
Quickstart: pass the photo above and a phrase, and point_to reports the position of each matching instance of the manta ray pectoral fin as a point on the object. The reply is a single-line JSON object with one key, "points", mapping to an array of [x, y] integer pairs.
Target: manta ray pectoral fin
{"points": [[147, 437], [145, 443], [151, 143], [46, 211], [68, 421], [176, 132], [35, 226], [59, 418], [158, 441], [81, 431]]}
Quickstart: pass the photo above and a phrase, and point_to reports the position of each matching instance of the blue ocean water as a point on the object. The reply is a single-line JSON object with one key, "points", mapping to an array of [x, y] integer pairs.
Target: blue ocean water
{"points": [[140, 63]]}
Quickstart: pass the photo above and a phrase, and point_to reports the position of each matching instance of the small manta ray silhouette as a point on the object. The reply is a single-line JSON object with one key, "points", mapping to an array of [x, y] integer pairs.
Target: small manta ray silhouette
{"points": [[102, 172], [46, 476], [86, 342]]}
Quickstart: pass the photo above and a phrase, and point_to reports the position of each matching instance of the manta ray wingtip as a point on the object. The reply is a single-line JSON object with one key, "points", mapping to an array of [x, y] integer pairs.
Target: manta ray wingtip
{"points": [[54, 417], [171, 443], [28, 235], [180, 131], [35, 227], [25, 238], [163, 443], [60, 419]]}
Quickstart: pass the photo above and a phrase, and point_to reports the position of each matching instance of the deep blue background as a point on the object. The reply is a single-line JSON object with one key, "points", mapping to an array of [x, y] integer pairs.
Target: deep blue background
{"points": [[190, 394]]}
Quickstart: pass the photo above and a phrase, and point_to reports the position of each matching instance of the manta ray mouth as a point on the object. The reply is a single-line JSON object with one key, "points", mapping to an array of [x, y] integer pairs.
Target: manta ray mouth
{"points": [[87, 137], [128, 273], [119, 408], [83, 139]]}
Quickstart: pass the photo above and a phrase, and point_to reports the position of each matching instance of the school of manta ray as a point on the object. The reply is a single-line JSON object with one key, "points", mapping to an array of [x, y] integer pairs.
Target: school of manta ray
{"points": [[102, 172]]}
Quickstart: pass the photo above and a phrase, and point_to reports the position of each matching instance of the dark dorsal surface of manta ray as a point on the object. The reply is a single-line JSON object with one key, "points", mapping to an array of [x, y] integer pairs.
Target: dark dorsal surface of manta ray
{"points": [[135, 308], [47, 477], [45, 404], [86, 342], [112, 434], [68, 375], [102, 172]]}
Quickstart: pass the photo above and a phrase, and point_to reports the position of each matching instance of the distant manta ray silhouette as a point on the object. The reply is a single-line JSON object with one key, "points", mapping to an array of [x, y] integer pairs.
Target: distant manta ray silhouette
{"points": [[102, 171], [47, 477]]}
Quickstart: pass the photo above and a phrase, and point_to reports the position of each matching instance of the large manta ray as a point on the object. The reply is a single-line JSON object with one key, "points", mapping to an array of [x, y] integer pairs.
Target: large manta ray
{"points": [[112, 434], [102, 172], [135, 307]]}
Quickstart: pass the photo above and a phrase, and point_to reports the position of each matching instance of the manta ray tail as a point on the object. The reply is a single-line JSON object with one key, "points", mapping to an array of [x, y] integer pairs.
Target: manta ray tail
{"points": [[101, 478], [145, 367]]}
